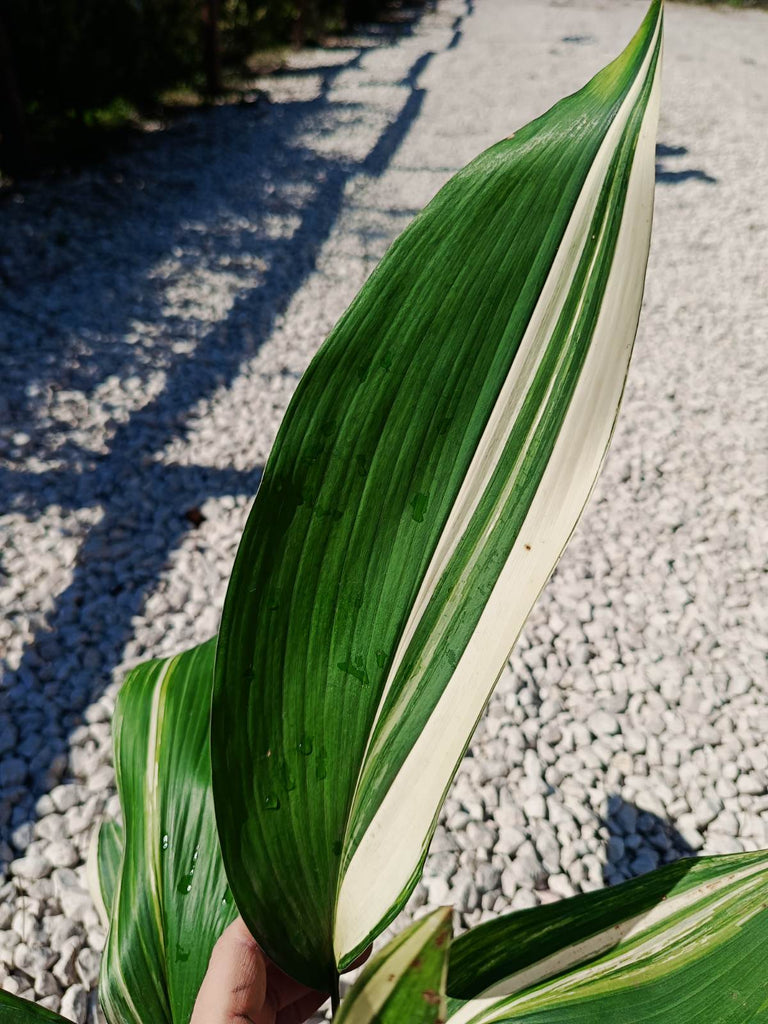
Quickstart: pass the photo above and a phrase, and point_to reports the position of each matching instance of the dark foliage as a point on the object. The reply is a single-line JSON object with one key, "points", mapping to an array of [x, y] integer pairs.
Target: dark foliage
{"points": [[64, 59]]}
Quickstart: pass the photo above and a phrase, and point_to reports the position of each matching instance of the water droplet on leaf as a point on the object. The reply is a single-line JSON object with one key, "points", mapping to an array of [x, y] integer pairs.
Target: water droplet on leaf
{"points": [[419, 504], [356, 669], [185, 883]]}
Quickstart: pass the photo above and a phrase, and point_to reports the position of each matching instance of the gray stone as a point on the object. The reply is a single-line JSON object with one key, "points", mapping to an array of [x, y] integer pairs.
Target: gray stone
{"points": [[646, 860], [510, 840], [74, 1004], [31, 867], [603, 723], [438, 893], [64, 969], [535, 807], [561, 885], [719, 843], [45, 985], [32, 960], [523, 900], [62, 853], [65, 797]]}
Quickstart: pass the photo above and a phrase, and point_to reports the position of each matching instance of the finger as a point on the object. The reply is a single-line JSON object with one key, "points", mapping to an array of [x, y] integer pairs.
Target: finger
{"points": [[235, 986], [304, 1007], [284, 990]]}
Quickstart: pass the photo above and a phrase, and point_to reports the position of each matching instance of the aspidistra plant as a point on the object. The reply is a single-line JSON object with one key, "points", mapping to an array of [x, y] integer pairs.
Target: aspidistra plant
{"points": [[429, 472]]}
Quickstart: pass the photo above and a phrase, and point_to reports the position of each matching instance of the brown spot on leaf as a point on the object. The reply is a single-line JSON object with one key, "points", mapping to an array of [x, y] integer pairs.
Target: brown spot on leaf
{"points": [[527, 547], [431, 997]]}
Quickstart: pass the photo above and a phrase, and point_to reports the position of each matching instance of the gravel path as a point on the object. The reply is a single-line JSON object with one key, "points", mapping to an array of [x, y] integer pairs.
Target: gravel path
{"points": [[155, 316]]}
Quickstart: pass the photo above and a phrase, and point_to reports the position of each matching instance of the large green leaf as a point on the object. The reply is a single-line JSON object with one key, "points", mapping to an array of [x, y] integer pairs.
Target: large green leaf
{"points": [[21, 1011], [429, 472], [687, 943], [405, 981], [171, 900]]}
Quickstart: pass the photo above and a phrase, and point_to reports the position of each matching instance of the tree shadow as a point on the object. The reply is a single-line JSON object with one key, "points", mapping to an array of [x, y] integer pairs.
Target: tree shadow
{"points": [[254, 209], [638, 842]]}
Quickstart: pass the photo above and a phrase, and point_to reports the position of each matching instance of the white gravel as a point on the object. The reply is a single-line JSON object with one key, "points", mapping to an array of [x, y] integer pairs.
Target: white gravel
{"points": [[155, 316]]}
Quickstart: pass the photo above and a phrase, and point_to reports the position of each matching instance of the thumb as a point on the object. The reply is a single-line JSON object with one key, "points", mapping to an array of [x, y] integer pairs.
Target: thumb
{"points": [[234, 990]]}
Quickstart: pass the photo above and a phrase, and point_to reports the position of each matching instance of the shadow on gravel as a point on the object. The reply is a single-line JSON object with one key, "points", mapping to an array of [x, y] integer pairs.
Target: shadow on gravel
{"points": [[671, 177], [638, 842], [579, 40], [255, 204]]}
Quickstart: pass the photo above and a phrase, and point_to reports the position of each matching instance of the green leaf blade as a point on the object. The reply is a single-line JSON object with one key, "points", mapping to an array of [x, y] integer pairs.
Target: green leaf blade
{"points": [[21, 1011], [406, 980], [430, 470], [684, 942], [171, 900]]}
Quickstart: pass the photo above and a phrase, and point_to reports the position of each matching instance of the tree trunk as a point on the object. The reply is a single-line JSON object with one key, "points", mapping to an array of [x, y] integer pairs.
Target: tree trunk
{"points": [[212, 52], [299, 30]]}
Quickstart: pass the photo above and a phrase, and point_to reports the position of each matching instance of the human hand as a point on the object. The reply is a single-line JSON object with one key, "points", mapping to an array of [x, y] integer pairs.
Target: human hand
{"points": [[242, 986]]}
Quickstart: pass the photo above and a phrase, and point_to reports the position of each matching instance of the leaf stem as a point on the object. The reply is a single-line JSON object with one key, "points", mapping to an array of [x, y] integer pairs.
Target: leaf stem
{"points": [[335, 994]]}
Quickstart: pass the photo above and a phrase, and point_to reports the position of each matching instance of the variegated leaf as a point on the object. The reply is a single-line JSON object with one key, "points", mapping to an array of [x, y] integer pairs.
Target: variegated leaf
{"points": [[687, 943], [429, 472], [103, 867], [171, 900], [405, 981]]}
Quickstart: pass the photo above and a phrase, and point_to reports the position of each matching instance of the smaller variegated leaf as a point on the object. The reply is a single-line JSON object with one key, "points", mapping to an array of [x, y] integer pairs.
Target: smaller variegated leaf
{"points": [[103, 866], [405, 981], [170, 899], [687, 943]]}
